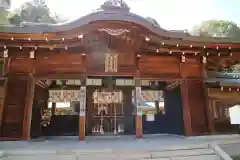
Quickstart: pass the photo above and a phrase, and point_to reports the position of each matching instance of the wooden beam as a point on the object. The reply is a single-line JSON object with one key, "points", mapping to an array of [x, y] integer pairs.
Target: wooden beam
{"points": [[28, 108], [39, 42], [59, 76]]}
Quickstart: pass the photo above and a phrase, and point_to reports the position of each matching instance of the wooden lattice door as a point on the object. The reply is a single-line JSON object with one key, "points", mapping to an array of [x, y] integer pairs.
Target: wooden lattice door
{"points": [[107, 112]]}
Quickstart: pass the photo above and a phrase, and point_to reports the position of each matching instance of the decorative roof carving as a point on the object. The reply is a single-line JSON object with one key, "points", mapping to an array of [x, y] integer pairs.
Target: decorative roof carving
{"points": [[115, 5], [114, 32]]}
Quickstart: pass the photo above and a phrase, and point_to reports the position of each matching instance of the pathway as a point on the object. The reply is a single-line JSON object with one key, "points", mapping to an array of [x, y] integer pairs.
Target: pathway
{"points": [[124, 147]]}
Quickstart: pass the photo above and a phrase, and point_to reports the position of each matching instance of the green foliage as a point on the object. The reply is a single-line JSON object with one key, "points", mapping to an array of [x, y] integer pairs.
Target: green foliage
{"points": [[217, 28], [14, 18], [3, 16], [6, 3], [236, 158], [34, 11]]}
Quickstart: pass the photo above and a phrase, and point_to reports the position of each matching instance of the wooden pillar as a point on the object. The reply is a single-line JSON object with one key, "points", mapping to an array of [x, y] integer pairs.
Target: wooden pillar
{"points": [[208, 106], [211, 115], [28, 108], [5, 70], [82, 112], [194, 110], [209, 111], [139, 130], [2, 103], [186, 109]]}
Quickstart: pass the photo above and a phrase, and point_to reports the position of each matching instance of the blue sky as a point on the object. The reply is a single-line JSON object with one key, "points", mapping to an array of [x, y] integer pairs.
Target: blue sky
{"points": [[171, 14]]}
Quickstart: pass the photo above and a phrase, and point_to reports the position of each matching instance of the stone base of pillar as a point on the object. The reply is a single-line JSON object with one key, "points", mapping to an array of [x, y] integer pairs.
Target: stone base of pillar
{"points": [[81, 128], [139, 132]]}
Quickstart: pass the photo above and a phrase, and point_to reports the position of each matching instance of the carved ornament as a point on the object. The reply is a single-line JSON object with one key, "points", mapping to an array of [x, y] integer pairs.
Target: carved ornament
{"points": [[115, 5], [114, 32]]}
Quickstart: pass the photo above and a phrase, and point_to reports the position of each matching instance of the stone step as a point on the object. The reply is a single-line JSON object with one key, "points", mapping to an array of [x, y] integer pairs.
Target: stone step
{"points": [[185, 154], [89, 157]]}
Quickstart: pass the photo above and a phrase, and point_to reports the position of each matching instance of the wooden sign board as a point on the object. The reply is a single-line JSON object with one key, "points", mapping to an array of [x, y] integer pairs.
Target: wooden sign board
{"points": [[64, 95]]}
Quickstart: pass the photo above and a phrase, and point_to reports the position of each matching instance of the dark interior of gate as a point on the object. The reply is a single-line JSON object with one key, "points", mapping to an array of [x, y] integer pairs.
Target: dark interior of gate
{"points": [[110, 108]]}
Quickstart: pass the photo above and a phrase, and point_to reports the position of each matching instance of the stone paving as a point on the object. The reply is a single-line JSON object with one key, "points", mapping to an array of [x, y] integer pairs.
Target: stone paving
{"points": [[67, 147]]}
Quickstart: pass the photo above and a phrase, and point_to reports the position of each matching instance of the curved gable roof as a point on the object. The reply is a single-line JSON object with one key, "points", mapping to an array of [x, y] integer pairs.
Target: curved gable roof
{"points": [[109, 11]]}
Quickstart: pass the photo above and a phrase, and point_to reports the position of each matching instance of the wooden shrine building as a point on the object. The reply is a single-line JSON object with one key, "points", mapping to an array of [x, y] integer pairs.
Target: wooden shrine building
{"points": [[119, 73]]}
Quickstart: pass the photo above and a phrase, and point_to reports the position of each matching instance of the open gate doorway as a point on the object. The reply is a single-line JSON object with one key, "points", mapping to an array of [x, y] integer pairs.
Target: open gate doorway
{"points": [[108, 114]]}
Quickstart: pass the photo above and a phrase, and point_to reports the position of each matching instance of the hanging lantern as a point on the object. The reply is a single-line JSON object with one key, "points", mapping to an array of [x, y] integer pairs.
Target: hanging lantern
{"points": [[5, 53], [221, 88], [183, 59], [204, 60], [32, 54], [147, 39], [80, 36]]}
